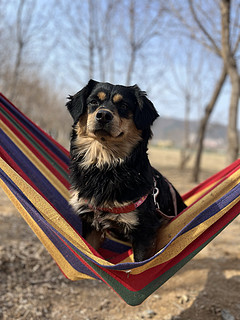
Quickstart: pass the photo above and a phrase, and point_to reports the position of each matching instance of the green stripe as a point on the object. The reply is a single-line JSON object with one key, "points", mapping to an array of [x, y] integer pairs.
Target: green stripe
{"points": [[135, 298], [36, 145]]}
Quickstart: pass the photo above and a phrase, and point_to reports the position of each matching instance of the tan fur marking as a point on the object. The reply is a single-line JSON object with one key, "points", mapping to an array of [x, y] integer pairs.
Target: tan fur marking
{"points": [[101, 95], [123, 137], [82, 125], [117, 98], [115, 124]]}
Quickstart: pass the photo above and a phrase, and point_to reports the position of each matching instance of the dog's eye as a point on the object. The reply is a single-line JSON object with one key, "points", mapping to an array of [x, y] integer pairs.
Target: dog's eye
{"points": [[94, 102], [124, 105]]}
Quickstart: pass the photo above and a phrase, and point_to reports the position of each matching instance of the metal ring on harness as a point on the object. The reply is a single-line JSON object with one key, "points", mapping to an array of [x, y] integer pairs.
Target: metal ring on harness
{"points": [[173, 194]]}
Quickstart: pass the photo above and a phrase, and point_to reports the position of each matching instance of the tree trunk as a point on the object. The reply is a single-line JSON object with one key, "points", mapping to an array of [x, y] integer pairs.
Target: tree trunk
{"points": [[132, 43], [232, 133], [185, 152], [91, 45], [20, 47], [231, 65], [204, 122]]}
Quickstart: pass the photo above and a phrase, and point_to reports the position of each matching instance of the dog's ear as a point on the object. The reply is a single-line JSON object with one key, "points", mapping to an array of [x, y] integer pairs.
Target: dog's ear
{"points": [[145, 112], [77, 104]]}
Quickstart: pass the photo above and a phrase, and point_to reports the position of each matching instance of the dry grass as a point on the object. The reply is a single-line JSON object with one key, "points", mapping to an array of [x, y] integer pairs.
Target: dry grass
{"points": [[161, 157], [167, 161], [32, 287]]}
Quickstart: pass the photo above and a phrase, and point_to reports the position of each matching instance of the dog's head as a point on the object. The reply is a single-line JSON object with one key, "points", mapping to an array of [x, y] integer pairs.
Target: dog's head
{"points": [[112, 114], [107, 105]]}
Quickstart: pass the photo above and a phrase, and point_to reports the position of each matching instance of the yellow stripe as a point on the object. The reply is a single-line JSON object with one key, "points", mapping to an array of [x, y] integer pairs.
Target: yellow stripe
{"points": [[197, 195], [184, 240], [67, 269], [41, 167], [176, 225], [49, 213], [166, 233]]}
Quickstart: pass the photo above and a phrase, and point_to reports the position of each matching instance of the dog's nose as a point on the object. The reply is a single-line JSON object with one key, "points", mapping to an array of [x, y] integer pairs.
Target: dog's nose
{"points": [[104, 116]]}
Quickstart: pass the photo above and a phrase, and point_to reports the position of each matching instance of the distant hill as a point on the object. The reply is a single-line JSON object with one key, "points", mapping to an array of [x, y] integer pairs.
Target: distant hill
{"points": [[172, 130]]}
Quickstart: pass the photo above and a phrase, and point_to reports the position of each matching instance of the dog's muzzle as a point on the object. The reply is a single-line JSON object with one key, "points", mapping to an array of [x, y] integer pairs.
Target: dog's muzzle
{"points": [[104, 116], [103, 123]]}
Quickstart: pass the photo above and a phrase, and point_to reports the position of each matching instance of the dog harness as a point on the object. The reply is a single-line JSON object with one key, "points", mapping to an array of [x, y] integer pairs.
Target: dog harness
{"points": [[132, 206], [173, 194], [124, 209]]}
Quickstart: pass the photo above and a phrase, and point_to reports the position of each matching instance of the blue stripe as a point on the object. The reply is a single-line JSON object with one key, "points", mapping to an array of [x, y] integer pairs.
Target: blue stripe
{"points": [[214, 208], [201, 217], [35, 131], [40, 181], [48, 229]]}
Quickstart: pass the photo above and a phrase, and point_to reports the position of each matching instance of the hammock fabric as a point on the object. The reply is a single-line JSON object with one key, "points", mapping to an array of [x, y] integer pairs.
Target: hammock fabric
{"points": [[34, 175]]}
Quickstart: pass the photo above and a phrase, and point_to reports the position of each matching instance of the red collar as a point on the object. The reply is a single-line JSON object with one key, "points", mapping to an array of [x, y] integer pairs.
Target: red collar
{"points": [[125, 209]]}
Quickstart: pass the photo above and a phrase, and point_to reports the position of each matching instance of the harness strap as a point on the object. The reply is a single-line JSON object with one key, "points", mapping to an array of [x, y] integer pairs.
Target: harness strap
{"points": [[173, 194], [132, 206], [124, 209]]}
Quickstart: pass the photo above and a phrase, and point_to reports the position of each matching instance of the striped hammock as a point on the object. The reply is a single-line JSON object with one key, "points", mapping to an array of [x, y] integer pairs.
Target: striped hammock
{"points": [[34, 175]]}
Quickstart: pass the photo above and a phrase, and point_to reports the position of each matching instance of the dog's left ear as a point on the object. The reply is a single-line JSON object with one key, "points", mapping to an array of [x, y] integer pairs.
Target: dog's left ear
{"points": [[145, 112], [77, 104]]}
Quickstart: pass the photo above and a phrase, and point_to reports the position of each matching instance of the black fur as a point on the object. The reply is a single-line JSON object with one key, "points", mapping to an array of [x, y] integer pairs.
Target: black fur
{"points": [[77, 104], [124, 182]]}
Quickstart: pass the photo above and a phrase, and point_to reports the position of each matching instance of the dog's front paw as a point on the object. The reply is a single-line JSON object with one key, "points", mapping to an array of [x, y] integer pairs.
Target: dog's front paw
{"points": [[143, 249]]}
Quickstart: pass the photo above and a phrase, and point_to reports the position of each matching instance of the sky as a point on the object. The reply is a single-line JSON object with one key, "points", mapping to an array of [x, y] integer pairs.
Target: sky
{"points": [[167, 66]]}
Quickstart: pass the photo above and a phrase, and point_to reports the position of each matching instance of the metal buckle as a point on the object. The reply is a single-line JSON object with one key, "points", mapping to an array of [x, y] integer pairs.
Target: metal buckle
{"points": [[155, 193]]}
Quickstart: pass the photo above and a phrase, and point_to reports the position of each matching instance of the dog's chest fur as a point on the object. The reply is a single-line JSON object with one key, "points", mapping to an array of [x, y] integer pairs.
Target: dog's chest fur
{"points": [[102, 220], [110, 167], [107, 186]]}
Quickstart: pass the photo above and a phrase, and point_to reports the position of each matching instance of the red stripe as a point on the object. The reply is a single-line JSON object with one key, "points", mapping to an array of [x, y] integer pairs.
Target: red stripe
{"points": [[35, 125], [139, 281], [59, 161], [230, 169], [20, 172], [225, 175], [37, 153], [5, 156]]}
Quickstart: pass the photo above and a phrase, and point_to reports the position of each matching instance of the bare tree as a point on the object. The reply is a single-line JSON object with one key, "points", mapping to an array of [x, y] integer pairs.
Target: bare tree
{"points": [[228, 55], [212, 28], [20, 34], [91, 25], [226, 51], [27, 29], [91, 40], [204, 121], [187, 82], [103, 33], [149, 29]]}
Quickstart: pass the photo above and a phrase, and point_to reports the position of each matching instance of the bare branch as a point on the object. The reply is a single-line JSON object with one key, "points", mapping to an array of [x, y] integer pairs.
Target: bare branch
{"points": [[201, 27]]}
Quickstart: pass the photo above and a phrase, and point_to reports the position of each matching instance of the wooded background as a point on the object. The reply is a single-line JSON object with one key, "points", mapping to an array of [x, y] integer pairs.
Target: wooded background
{"points": [[185, 54]]}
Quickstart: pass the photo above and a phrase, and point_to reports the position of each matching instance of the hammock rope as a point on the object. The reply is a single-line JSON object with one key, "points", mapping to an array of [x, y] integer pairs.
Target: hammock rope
{"points": [[34, 175]]}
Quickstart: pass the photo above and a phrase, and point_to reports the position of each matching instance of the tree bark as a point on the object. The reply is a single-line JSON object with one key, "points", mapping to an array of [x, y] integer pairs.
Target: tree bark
{"points": [[232, 133], [185, 152], [231, 65], [91, 46], [132, 43], [20, 47], [204, 123]]}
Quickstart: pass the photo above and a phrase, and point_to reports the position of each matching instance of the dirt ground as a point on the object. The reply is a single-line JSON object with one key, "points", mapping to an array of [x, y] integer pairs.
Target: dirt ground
{"points": [[32, 286]]}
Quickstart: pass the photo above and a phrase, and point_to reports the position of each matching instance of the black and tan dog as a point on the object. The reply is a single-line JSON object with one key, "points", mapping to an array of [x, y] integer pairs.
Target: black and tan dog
{"points": [[114, 188]]}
